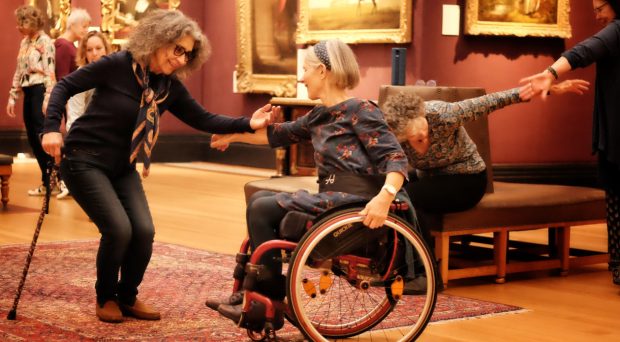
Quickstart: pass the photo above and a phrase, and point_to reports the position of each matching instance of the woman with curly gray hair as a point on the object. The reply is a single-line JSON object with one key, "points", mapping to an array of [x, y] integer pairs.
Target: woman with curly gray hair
{"points": [[450, 174], [131, 90]]}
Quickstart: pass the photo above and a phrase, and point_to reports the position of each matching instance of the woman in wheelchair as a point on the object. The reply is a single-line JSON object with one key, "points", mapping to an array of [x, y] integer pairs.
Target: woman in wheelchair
{"points": [[357, 156]]}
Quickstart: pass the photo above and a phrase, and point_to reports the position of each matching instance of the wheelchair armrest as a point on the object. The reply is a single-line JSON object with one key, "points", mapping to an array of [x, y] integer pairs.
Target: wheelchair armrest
{"points": [[295, 224]]}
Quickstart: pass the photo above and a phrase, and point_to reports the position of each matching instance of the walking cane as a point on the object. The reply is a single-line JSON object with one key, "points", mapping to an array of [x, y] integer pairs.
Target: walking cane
{"points": [[51, 172]]}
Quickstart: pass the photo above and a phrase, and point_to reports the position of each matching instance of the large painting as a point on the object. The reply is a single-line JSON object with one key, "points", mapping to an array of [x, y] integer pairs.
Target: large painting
{"points": [[55, 13], [538, 18], [266, 49], [355, 21], [118, 17]]}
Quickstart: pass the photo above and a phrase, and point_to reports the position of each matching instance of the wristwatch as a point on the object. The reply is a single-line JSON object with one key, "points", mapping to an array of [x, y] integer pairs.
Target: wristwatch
{"points": [[390, 189]]}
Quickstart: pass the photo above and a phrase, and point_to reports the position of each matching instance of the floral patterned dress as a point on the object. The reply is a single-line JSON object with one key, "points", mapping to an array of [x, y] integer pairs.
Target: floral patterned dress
{"points": [[451, 150], [349, 137]]}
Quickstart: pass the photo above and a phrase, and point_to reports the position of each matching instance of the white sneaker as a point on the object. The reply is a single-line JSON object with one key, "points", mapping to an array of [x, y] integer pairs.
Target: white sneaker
{"points": [[64, 192], [40, 191]]}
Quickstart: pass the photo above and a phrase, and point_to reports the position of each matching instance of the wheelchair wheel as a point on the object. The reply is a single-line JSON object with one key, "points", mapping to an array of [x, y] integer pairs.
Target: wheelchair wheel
{"points": [[345, 279]]}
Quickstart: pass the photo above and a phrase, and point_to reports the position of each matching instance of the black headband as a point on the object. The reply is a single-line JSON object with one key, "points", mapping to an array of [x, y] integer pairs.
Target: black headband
{"points": [[320, 50]]}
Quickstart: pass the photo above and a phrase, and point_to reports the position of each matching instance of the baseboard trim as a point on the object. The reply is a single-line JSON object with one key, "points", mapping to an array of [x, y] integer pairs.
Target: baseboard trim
{"points": [[176, 148], [579, 174]]}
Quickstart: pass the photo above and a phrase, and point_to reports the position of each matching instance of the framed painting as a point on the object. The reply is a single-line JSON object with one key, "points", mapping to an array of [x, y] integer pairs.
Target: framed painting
{"points": [[118, 17], [537, 18], [266, 49], [55, 13], [355, 21]]}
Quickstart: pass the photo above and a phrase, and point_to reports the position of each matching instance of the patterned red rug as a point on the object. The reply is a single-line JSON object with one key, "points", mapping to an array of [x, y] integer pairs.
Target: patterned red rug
{"points": [[58, 301]]}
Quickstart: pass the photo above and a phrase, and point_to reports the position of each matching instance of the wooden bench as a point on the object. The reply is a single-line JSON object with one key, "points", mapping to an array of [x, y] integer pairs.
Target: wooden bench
{"points": [[505, 207], [6, 169]]}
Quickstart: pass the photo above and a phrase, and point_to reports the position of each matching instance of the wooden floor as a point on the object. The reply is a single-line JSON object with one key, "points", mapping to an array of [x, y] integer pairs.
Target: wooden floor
{"points": [[205, 209]]}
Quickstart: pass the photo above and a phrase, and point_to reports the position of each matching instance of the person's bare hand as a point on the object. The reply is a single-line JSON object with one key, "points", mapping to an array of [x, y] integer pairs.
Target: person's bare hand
{"points": [[10, 109], [52, 145], [264, 116], [376, 211], [577, 86], [221, 141], [539, 84]]}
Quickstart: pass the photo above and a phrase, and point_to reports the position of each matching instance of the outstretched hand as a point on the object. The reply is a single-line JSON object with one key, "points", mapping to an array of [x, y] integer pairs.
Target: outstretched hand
{"points": [[264, 116], [573, 86], [538, 84], [221, 141]]}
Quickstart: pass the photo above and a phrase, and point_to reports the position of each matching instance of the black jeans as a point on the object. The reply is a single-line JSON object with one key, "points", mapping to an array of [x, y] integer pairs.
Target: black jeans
{"points": [[33, 119], [115, 201], [446, 193]]}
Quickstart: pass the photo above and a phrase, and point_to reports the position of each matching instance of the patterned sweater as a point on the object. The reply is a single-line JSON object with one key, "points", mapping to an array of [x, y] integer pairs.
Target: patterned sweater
{"points": [[451, 150]]}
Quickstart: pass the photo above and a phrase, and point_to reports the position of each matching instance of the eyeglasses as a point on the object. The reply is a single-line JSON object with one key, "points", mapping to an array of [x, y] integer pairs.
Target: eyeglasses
{"points": [[180, 51], [599, 9]]}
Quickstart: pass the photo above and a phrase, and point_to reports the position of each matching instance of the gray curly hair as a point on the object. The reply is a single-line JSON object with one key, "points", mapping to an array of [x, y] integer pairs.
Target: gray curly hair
{"points": [[162, 27], [399, 109]]}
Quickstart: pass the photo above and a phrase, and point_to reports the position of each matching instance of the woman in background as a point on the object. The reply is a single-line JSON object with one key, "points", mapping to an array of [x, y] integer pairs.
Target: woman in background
{"points": [[92, 47], [34, 77]]}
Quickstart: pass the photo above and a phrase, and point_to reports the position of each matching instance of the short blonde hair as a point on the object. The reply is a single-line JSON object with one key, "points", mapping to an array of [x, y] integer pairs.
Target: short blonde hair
{"points": [[345, 72], [30, 14], [399, 109], [80, 56], [78, 15], [162, 27]]}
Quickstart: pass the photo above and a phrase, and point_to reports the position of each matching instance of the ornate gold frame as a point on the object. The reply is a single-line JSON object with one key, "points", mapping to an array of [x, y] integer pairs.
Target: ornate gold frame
{"points": [[474, 26], [399, 35], [247, 81], [60, 25], [109, 24]]}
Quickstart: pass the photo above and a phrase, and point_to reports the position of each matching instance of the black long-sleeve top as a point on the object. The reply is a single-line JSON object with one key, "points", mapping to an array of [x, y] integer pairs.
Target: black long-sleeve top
{"points": [[603, 49], [110, 119]]}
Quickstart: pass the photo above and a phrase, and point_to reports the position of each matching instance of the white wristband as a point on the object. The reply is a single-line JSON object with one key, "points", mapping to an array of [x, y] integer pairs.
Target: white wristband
{"points": [[390, 189]]}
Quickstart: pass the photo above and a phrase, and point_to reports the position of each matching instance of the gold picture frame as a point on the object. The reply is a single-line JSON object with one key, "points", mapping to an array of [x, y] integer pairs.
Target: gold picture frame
{"points": [[266, 48], [367, 21], [119, 16], [56, 13], [536, 18]]}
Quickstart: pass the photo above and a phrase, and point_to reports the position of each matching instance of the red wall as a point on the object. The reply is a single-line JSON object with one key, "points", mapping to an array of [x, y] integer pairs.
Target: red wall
{"points": [[555, 131]]}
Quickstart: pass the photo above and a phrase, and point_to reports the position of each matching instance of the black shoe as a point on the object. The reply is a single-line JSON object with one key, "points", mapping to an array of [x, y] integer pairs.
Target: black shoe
{"points": [[615, 272], [234, 299], [232, 312]]}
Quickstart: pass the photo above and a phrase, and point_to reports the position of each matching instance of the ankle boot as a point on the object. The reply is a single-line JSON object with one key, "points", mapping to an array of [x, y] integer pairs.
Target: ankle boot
{"points": [[140, 310], [109, 312], [234, 299]]}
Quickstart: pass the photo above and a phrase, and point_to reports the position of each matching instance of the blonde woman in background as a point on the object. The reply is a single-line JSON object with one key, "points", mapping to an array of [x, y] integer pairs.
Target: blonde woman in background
{"points": [[92, 47]]}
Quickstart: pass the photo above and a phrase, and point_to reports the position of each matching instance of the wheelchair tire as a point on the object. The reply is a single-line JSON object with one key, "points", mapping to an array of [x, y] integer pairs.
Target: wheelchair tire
{"points": [[345, 308]]}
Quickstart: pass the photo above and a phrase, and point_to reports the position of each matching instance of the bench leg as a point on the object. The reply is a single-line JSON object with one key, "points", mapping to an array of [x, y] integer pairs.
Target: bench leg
{"points": [[563, 248], [500, 252], [5, 190], [442, 253]]}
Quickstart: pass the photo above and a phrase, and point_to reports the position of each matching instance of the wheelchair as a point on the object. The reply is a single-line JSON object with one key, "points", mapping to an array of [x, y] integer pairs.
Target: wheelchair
{"points": [[343, 279]]}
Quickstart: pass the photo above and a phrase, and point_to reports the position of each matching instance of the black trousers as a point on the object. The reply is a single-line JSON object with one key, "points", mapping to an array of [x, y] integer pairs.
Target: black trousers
{"points": [[115, 201], [33, 119], [263, 216], [446, 193]]}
